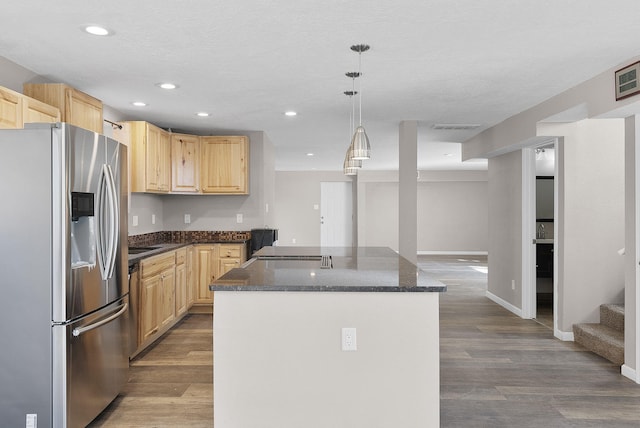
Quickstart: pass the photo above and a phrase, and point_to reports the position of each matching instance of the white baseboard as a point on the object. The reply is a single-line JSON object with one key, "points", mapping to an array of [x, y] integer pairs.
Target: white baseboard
{"points": [[508, 306], [630, 373], [565, 336], [453, 253]]}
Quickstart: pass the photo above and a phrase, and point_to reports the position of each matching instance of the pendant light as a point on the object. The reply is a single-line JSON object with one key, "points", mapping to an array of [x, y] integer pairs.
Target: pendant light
{"points": [[351, 166], [360, 147]]}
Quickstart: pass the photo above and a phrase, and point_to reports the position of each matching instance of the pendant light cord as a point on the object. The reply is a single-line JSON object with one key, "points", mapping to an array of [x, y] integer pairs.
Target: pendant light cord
{"points": [[360, 84]]}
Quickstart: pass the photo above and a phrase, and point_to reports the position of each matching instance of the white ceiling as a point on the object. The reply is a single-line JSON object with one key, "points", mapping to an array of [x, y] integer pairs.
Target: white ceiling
{"points": [[248, 61]]}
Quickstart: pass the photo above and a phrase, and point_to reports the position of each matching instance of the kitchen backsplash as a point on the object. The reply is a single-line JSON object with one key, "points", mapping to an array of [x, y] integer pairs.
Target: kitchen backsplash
{"points": [[180, 237]]}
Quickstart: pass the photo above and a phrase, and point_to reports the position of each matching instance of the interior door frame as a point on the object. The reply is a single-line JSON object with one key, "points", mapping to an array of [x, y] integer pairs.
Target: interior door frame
{"points": [[529, 298]]}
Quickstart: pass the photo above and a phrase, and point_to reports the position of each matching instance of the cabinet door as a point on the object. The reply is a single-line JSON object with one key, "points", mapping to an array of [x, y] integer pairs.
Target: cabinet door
{"points": [[181, 289], [10, 109], [207, 261], [34, 111], [168, 279], [83, 110], [150, 306], [191, 276], [185, 163], [157, 159], [224, 165], [227, 264]]}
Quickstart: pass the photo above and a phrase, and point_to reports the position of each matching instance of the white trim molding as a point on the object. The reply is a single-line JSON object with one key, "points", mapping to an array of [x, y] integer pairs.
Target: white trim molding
{"points": [[629, 373], [508, 306], [453, 253], [565, 336]]}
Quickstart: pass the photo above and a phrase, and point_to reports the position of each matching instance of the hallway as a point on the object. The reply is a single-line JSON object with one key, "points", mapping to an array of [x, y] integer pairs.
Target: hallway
{"points": [[498, 370]]}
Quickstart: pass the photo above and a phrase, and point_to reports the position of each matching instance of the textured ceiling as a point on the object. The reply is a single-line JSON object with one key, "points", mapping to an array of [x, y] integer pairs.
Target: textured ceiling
{"points": [[248, 61]]}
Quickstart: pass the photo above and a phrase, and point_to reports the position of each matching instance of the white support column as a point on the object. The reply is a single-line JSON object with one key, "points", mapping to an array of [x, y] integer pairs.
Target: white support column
{"points": [[631, 366], [408, 191]]}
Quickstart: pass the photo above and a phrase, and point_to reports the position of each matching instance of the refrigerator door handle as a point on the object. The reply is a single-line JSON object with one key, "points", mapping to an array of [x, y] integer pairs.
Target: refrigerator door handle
{"points": [[78, 331], [114, 219], [108, 222]]}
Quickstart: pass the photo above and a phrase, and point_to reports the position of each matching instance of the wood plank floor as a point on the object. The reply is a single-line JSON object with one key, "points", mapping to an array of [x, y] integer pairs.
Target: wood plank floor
{"points": [[497, 370]]}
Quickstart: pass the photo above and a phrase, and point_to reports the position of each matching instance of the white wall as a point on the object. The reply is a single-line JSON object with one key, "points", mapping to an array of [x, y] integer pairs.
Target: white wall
{"points": [[505, 228], [452, 211], [296, 194], [592, 218]]}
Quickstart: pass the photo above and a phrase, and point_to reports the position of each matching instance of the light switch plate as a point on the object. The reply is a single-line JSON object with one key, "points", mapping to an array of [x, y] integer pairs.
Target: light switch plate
{"points": [[238, 218]]}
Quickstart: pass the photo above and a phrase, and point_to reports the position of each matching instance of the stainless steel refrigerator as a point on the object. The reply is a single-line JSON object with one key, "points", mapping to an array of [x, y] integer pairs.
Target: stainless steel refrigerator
{"points": [[64, 329]]}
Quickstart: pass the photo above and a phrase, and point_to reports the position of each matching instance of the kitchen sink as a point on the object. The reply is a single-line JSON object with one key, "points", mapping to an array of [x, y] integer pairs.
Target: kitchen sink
{"points": [[139, 250]]}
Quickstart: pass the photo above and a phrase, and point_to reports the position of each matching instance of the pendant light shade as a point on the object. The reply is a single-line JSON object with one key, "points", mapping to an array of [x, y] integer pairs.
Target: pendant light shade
{"points": [[360, 148], [351, 166]]}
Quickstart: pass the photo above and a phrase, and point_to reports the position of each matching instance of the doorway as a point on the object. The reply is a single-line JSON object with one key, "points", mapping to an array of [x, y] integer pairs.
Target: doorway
{"points": [[539, 296], [336, 214]]}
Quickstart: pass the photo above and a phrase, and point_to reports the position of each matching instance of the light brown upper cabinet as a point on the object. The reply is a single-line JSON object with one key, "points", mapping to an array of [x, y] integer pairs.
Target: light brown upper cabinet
{"points": [[17, 109], [185, 163], [76, 108], [150, 154], [224, 165]]}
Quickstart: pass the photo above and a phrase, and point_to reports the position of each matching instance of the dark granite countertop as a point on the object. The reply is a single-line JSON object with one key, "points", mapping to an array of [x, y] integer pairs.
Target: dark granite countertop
{"points": [[164, 247], [363, 269]]}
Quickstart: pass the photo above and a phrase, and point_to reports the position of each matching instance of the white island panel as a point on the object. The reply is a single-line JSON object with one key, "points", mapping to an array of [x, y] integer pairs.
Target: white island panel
{"points": [[278, 361]]}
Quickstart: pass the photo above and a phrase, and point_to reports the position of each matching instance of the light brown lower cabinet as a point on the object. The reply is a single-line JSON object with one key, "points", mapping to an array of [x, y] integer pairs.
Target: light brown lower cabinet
{"points": [[213, 261], [163, 294], [171, 283]]}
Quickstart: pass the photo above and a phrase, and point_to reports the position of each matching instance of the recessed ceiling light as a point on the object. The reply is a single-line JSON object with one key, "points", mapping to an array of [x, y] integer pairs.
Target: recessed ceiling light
{"points": [[167, 85], [203, 114], [96, 30], [290, 113], [309, 154], [139, 104]]}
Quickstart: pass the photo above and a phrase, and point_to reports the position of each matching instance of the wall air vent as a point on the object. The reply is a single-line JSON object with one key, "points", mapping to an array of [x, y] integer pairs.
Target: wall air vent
{"points": [[627, 81], [455, 126]]}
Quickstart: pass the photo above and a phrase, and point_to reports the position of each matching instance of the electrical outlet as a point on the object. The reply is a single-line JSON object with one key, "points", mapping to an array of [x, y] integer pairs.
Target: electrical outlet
{"points": [[316, 206], [293, 240], [32, 420], [266, 208], [513, 284], [349, 342], [238, 218], [187, 218], [134, 220], [153, 219]]}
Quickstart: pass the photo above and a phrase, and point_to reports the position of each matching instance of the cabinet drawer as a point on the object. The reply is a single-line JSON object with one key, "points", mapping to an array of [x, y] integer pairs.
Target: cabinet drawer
{"points": [[156, 264], [230, 251], [181, 256]]}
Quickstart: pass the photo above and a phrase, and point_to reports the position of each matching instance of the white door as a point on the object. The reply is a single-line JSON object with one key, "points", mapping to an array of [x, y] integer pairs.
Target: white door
{"points": [[336, 214]]}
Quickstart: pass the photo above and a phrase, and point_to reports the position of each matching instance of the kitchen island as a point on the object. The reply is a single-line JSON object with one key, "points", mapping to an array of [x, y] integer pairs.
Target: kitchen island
{"points": [[282, 356]]}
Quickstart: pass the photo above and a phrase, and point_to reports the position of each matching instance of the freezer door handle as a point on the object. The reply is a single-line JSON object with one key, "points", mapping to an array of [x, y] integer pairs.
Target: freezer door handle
{"points": [[121, 310]]}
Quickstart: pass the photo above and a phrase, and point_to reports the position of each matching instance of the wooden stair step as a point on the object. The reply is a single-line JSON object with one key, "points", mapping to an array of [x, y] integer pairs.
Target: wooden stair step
{"points": [[602, 340]]}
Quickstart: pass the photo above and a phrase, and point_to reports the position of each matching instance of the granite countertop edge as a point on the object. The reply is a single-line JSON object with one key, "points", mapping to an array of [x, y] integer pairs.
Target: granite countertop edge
{"points": [[329, 288]]}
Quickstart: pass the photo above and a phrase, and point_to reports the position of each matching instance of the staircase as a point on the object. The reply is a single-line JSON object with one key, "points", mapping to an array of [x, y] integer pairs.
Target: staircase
{"points": [[606, 338]]}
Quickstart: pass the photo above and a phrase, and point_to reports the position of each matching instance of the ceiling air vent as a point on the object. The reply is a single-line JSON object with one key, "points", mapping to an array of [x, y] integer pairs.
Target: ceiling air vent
{"points": [[455, 126]]}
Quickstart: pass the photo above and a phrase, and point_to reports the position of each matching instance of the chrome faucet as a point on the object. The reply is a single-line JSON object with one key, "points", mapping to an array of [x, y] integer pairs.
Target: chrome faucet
{"points": [[541, 231]]}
